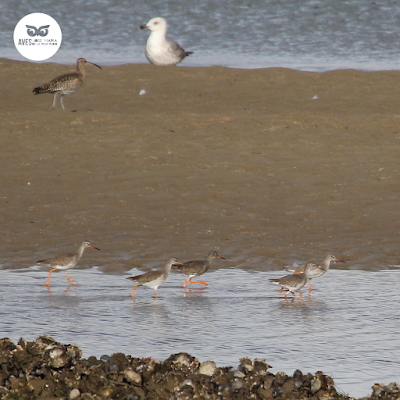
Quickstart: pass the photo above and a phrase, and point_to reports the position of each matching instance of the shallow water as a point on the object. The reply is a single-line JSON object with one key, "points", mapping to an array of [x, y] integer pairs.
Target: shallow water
{"points": [[308, 34], [347, 328]]}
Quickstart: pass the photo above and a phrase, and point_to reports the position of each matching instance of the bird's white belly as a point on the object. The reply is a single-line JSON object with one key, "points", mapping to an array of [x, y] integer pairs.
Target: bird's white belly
{"points": [[159, 53], [154, 284], [66, 266]]}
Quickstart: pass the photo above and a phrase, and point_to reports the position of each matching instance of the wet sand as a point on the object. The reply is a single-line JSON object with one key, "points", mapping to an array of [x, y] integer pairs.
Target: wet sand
{"points": [[246, 162]]}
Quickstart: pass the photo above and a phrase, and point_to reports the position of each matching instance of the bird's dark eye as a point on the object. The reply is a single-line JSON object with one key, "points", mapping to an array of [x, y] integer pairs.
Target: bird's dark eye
{"points": [[156, 23]]}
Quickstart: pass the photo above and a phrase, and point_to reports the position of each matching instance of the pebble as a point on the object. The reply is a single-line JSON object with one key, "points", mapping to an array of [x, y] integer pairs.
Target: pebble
{"points": [[46, 369], [74, 394], [208, 368]]}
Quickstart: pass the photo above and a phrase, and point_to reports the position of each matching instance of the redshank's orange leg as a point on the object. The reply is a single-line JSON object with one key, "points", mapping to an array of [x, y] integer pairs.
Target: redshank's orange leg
{"points": [[48, 280], [282, 290], [286, 294], [155, 294], [200, 282], [188, 279], [133, 291], [309, 286], [70, 279]]}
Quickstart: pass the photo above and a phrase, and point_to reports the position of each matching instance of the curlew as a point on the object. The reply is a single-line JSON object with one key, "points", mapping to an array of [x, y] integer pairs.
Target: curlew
{"points": [[66, 83]]}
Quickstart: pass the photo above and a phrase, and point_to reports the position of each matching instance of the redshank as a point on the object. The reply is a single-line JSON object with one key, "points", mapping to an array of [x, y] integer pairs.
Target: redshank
{"points": [[197, 267], [153, 279], [65, 261], [292, 283], [159, 49], [316, 273], [65, 84]]}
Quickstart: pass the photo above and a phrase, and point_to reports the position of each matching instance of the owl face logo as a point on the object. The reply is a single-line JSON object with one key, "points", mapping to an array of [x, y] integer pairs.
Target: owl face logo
{"points": [[41, 31]]}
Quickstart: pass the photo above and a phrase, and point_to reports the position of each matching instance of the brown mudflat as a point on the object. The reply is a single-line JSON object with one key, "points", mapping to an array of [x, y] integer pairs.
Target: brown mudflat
{"points": [[242, 161]]}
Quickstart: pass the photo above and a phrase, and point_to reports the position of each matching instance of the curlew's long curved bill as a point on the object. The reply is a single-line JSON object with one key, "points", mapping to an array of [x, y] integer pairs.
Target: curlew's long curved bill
{"points": [[98, 66]]}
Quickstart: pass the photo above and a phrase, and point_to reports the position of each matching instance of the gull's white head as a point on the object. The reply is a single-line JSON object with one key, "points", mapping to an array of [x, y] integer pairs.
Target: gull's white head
{"points": [[157, 24]]}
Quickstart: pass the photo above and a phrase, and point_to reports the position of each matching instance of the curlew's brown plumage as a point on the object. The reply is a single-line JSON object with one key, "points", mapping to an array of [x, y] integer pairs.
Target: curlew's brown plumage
{"points": [[66, 83]]}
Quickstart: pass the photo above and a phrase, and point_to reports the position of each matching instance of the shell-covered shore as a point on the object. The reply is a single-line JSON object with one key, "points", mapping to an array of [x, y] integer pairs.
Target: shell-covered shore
{"points": [[46, 369]]}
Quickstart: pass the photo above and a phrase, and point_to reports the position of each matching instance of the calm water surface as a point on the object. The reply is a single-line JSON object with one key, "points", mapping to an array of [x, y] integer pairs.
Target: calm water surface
{"points": [[306, 34], [348, 327]]}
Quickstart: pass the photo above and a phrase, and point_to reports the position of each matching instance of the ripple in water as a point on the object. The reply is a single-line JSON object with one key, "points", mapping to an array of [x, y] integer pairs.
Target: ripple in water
{"points": [[347, 328]]}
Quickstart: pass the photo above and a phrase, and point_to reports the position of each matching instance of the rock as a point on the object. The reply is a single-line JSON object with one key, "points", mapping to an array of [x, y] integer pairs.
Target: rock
{"points": [[261, 366], [379, 390], [236, 385], [120, 360], [268, 381], [208, 368], [105, 358], [280, 378], [183, 362], [74, 394], [393, 387], [238, 374], [246, 365], [316, 384], [46, 369], [59, 356], [133, 377], [276, 392], [288, 388], [7, 345]]}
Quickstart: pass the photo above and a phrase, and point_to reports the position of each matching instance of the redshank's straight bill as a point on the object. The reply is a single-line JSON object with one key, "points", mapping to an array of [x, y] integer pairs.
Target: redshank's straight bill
{"points": [[153, 279], [65, 84], [65, 261], [160, 50], [293, 283], [316, 273], [197, 267]]}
